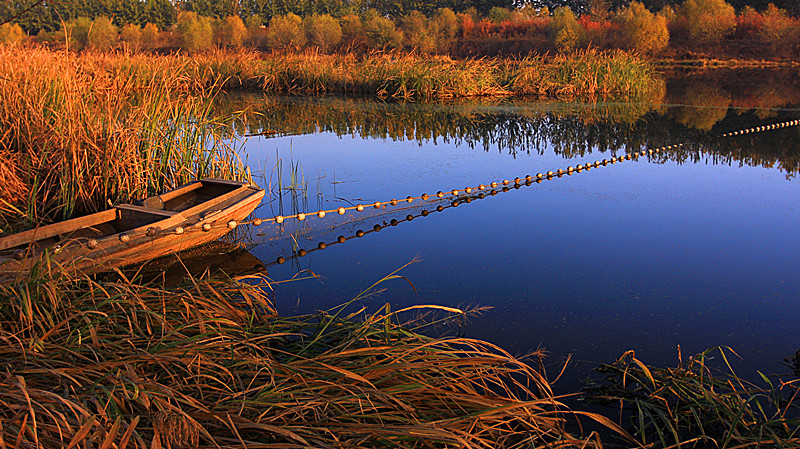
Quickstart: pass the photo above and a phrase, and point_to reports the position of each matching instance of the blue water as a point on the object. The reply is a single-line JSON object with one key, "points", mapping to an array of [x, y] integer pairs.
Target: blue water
{"points": [[649, 255]]}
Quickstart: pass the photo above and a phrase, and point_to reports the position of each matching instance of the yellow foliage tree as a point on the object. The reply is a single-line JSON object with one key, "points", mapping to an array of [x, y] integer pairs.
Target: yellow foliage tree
{"points": [[641, 30], [707, 21], [11, 33], [232, 32]]}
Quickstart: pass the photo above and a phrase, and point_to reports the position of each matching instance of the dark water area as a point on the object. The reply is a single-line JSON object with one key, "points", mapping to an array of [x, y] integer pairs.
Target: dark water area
{"points": [[691, 247]]}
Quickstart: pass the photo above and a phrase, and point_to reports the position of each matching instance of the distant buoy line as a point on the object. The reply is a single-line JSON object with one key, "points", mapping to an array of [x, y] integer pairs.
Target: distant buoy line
{"points": [[763, 128]]}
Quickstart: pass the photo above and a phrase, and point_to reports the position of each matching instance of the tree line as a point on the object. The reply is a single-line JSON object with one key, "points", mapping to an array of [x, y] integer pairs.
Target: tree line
{"points": [[34, 16], [364, 25]]}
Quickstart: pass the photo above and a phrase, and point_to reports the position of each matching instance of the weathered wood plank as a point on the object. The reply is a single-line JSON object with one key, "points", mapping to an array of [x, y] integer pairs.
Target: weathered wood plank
{"points": [[55, 229]]}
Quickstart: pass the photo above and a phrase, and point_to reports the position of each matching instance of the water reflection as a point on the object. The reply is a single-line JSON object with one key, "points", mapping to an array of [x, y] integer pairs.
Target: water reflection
{"points": [[696, 115], [218, 258], [641, 256]]}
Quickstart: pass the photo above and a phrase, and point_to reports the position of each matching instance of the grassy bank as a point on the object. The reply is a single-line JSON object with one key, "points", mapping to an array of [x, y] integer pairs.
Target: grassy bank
{"points": [[587, 73], [211, 364], [80, 132]]}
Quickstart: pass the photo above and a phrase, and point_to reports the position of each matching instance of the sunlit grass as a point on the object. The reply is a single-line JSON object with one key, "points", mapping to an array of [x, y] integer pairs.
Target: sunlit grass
{"points": [[80, 132], [587, 73], [212, 364]]}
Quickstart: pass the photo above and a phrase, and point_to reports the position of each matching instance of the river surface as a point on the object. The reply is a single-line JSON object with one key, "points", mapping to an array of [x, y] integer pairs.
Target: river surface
{"points": [[691, 247]]}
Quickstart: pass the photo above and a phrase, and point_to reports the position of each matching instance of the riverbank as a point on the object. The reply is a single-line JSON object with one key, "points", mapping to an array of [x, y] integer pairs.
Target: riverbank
{"points": [[211, 363]]}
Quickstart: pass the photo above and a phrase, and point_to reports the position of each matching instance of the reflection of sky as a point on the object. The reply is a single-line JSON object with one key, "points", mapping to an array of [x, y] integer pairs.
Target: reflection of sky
{"points": [[635, 255]]}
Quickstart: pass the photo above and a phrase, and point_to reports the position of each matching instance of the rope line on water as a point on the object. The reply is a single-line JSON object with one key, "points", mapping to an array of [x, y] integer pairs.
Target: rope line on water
{"points": [[322, 213], [205, 225]]}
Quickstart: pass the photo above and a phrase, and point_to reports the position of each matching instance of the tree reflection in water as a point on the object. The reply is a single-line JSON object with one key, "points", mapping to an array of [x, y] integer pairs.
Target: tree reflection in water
{"points": [[695, 111]]}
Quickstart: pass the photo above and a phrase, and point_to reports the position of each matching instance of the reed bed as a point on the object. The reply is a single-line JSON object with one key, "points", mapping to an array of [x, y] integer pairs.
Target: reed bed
{"points": [[695, 405], [90, 363], [588, 73], [80, 132]]}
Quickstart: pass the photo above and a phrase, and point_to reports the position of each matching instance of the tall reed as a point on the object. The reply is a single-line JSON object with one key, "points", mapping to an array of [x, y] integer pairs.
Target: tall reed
{"points": [[80, 132], [411, 77], [693, 405], [211, 364]]}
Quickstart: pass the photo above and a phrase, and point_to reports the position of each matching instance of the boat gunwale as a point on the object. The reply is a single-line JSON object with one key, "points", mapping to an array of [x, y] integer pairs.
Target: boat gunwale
{"points": [[190, 217]]}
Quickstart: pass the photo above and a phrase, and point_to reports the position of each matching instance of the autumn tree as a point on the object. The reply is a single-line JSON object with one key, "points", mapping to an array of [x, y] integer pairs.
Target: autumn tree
{"points": [[777, 28], [102, 35], [150, 36], [196, 32], [381, 32], [286, 32], [353, 35], [641, 30], [706, 21], [564, 30], [322, 31], [232, 32], [11, 33], [417, 32], [131, 37]]}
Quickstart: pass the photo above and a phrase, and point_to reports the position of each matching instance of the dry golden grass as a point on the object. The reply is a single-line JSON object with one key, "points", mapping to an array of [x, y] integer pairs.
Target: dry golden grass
{"points": [[211, 364], [78, 132]]}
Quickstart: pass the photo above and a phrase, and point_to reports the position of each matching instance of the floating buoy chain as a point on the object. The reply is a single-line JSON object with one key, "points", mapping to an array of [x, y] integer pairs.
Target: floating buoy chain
{"points": [[763, 128], [468, 190], [527, 180], [394, 222]]}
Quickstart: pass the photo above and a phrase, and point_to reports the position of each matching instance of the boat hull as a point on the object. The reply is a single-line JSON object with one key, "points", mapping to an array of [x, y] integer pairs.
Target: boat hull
{"points": [[189, 216]]}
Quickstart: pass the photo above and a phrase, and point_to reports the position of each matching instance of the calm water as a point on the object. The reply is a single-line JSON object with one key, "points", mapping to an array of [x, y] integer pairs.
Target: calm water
{"points": [[691, 248]]}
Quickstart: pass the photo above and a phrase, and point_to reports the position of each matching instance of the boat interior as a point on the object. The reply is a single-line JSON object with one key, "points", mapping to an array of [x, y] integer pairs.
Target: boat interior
{"points": [[121, 218]]}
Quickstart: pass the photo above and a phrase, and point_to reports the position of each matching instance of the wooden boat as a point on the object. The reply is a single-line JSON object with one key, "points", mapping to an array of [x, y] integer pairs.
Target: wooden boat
{"points": [[188, 216]]}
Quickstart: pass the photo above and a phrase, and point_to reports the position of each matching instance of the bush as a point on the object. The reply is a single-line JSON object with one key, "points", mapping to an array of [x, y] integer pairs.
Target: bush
{"points": [[102, 35], [381, 32], [498, 14], [641, 30], [131, 37], [286, 32], [444, 28], [232, 32], [778, 28], [353, 32], [597, 31], [78, 31], [256, 31], [196, 32], [150, 36], [706, 21], [322, 31], [418, 36], [11, 33], [564, 31], [748, 23]]}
